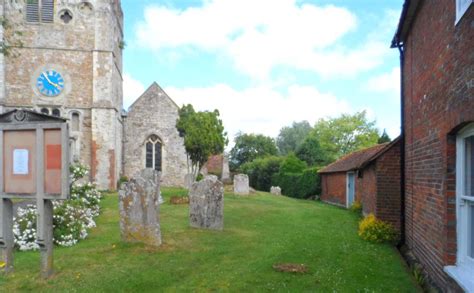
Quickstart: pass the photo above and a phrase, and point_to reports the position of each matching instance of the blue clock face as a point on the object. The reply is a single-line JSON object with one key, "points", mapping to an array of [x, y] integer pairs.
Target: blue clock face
{"points": [[50, 83]]}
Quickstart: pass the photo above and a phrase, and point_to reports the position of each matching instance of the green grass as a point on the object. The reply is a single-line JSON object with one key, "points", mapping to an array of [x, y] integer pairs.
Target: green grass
{"points": [[259, 231]]}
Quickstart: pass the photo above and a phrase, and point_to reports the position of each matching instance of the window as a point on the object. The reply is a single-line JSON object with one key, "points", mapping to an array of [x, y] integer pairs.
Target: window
{"points": [[40, 11], [45, 111], [56, 112], [75, 120], [463, 271], [461, 7], [153, 153], [465, 195]]}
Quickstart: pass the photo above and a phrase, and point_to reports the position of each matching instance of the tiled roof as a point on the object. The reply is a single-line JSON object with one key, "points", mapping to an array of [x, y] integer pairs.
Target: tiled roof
{"points": [[357, 159]]}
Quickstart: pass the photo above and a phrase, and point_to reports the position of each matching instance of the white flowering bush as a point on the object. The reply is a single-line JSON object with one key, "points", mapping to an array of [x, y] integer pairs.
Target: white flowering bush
{"points": [[71, 219]]}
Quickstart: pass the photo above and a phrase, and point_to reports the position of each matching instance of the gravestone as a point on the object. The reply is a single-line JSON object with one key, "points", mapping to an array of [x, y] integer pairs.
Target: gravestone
{"points": [[206, 204], [241, 184], [275, 190], [139, 208], [188, 181]]}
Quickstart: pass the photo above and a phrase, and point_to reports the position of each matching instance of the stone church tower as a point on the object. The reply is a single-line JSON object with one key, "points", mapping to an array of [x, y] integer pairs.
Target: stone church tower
{"points": [[64, 58]]}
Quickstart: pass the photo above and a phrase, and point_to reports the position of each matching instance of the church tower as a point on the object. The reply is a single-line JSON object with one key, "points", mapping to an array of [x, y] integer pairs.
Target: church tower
{"points": [[64, 58]]}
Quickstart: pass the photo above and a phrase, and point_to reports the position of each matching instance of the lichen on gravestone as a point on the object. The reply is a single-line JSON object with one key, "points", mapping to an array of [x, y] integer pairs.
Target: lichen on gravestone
{"points": [[206, 204], [139, 208], [241, 184]]}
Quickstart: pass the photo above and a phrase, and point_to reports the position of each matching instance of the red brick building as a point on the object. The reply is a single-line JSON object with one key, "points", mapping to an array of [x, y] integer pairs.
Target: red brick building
{"points": [[436, 42], [370, 176]]}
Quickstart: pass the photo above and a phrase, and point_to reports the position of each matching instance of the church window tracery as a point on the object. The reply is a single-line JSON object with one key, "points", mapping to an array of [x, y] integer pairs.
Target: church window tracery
{"points": [[153, 152]]}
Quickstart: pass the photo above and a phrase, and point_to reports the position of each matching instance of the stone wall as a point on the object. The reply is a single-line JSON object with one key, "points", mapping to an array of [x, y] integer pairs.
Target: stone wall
{"points": [[86, 51], [154, 113]]}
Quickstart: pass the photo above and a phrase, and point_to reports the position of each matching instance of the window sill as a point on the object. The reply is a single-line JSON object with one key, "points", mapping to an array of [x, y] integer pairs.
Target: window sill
{"points": [[462, 274]]}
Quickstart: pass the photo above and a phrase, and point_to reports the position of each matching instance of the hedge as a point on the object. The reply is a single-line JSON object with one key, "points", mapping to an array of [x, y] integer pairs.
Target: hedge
{"points": [[298, 185], [261, 171]]}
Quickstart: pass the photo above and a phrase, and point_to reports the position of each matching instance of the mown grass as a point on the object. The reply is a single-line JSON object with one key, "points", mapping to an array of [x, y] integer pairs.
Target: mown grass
{"points": [[260, 231]]}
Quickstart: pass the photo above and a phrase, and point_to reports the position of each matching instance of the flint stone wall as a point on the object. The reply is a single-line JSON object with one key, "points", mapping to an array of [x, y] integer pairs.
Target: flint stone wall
{"points": [[241, 184], [154, 113], [206, 204], [139, 208]]}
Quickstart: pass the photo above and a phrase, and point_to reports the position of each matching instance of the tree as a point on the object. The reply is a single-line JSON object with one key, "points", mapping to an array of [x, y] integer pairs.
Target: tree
{"points": [[203, 135], [345, 134], [248, 147], [311, 152], [291, 164], [384, 138], [291, 137]]}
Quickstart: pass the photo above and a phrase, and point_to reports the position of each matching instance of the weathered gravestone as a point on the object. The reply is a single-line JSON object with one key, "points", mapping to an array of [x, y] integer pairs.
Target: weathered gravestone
{"points": [[188, 181], [241, 184], [275, 190], [206, 204], [139, 208]]}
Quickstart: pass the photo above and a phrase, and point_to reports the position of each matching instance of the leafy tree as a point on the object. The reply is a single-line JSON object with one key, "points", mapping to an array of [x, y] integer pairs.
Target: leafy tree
{"points": [[248, 147], [384, 138], [292, 164], [311, 152], [291, 137], [345, 134], [203, 135]]}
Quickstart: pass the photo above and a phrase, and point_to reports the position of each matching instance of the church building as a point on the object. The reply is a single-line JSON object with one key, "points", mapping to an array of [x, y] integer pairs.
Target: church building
{"points": [[64, 58]]}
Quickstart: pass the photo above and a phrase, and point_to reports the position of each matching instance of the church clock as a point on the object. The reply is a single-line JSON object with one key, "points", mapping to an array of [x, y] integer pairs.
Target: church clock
{"points": [[50, 83]]}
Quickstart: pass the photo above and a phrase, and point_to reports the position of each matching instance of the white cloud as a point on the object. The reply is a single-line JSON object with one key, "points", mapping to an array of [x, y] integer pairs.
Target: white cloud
{"points": [[132, 89], [388, 82], [261, 109], [260, 35]]}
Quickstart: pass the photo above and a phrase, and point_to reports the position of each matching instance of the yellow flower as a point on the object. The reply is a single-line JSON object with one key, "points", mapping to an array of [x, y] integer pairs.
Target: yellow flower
{"points": [[2, 264]]}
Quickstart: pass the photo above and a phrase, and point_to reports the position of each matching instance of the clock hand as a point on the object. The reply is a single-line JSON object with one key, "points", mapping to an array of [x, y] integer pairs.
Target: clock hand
{"points": [[52, 83]]}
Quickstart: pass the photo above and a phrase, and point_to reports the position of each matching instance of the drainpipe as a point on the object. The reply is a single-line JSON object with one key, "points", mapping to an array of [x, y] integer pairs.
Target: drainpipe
{"points": [[401, 49]]}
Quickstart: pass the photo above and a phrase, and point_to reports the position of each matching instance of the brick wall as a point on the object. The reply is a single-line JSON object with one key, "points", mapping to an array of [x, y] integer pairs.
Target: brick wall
{"points": [[388, 186], [439, 98], [366, 189], [334, 188]]}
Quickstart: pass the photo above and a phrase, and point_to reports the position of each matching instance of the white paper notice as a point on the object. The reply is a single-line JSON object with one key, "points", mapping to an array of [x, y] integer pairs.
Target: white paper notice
{"points": [[20, 162]]}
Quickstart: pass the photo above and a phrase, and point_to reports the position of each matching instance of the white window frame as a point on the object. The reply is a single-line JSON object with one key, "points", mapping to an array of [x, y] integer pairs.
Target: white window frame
{"points": [[463, 271], [463, 201], [461, 7]]}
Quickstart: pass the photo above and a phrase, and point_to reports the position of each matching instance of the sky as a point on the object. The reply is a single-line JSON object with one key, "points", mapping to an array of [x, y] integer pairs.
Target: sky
{"points": [[267, 63]]}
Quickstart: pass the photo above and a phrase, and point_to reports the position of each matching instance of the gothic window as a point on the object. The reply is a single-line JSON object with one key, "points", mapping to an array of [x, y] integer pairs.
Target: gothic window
{"points": [[56, 112], [45, 111], [153, 153], [65, 16], [75, 121], [40, 11]]}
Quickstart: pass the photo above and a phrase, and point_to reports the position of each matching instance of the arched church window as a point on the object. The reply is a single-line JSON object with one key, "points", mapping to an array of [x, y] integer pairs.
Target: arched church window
{"points": [[75, 120], [56, 112], [45, 111], [153, 152]]}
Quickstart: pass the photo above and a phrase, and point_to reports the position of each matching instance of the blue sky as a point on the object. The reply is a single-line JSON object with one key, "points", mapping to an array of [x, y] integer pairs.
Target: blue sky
{"points": [[267, 63]]}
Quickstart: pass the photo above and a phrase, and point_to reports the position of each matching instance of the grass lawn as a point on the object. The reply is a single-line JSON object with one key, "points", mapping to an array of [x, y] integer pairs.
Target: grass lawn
{"points": [[259, 231]]}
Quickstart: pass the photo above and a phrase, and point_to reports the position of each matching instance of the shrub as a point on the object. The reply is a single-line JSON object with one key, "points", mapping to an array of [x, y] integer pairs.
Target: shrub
{"points": [[71, 218], [299, 185], [356, 207], [291, 164], [122, 179], [375, 230], [261, 171]]}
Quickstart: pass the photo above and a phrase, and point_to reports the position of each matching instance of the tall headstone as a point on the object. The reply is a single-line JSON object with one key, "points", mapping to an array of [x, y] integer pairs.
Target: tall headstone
{"points": [[206, 204], [241, 184], [139, 208]]}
